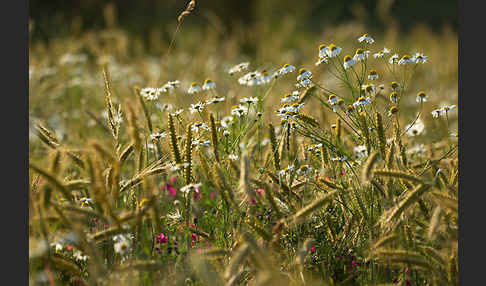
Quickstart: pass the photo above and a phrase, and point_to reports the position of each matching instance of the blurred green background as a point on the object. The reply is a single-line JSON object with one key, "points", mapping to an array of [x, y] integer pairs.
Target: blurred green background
{"points": [[56, 18]]}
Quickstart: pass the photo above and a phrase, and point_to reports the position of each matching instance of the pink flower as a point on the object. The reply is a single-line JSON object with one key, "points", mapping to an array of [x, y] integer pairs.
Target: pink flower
{"points": [[252, 201], [313, 249], [171, 189], [161, 238], [259, 191], [69, 247], [173, 179], [197, 194], [212, 195]]}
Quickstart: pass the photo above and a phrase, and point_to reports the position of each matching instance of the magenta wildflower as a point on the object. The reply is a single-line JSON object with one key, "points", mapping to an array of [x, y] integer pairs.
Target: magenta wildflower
{"points": [[259, 191], [313, 249], [161, 238]]}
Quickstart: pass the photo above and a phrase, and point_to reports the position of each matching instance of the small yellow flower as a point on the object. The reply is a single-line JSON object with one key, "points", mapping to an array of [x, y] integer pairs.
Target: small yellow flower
{"points": [[394, 85]]}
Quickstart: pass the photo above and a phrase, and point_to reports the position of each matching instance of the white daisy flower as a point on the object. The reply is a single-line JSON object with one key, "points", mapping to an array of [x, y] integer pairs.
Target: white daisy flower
{"points": [[251, 79], [150, 93], [304, 74], [366, 38], [198, 107], [362, 101], [288, 97], [171, 85], [78, 255], [360, 55], [304, 83], [156, 136], [195, 88], [238, 68], [289, 169], [405, 60], [368, 88], [394, 97], [348, 62], [442, 111], [324, 59], [381, 53], [304, 170], [333, 51], [419, 58], [340, 159], [421, 97], [57, 246], [323, 51], [249, 100], [333, 99], [196, 126], [226, 133], [373, 75], [178, 112], [239, 110], [415, 129], [360, 151], [190, 187], [393, 59], [122, 244], [454, 135], [215, 100], [226, 121], [265, 141], [208, 84], [314, 147], [286, 69], [395, 86], [233, 157], [200, 143]]}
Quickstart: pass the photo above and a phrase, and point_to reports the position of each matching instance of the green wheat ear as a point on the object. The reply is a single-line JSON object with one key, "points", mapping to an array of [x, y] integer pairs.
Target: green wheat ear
{"points": [[188, 155], [173, 141], [381, 134], [324, 157], [273, 142], [338, 129], [214, 137]]}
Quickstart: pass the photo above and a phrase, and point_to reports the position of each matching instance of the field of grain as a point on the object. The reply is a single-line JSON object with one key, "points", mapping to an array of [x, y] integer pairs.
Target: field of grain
{"points": [[301, 159]]}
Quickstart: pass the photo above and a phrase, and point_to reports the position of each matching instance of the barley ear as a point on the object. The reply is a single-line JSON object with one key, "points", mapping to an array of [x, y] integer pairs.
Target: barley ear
{"points": [[214, 137], [273, 142], [188, 155], [176, 154], [381, 134]]}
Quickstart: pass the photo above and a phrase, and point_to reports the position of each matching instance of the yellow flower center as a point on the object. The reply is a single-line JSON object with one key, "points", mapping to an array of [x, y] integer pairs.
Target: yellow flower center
{"points": [[194, 83], [350, 108], [285, 65], [321, 47], [393, 95], [207, 80], [286, 105], [332, 47], [405, 57], [234, 107], [394, 84], [361, 99], [347, 58], [359, 51], [421, 94], [332, 96], [393, 109], [340, 102], [302, 70], [373, 72]]}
